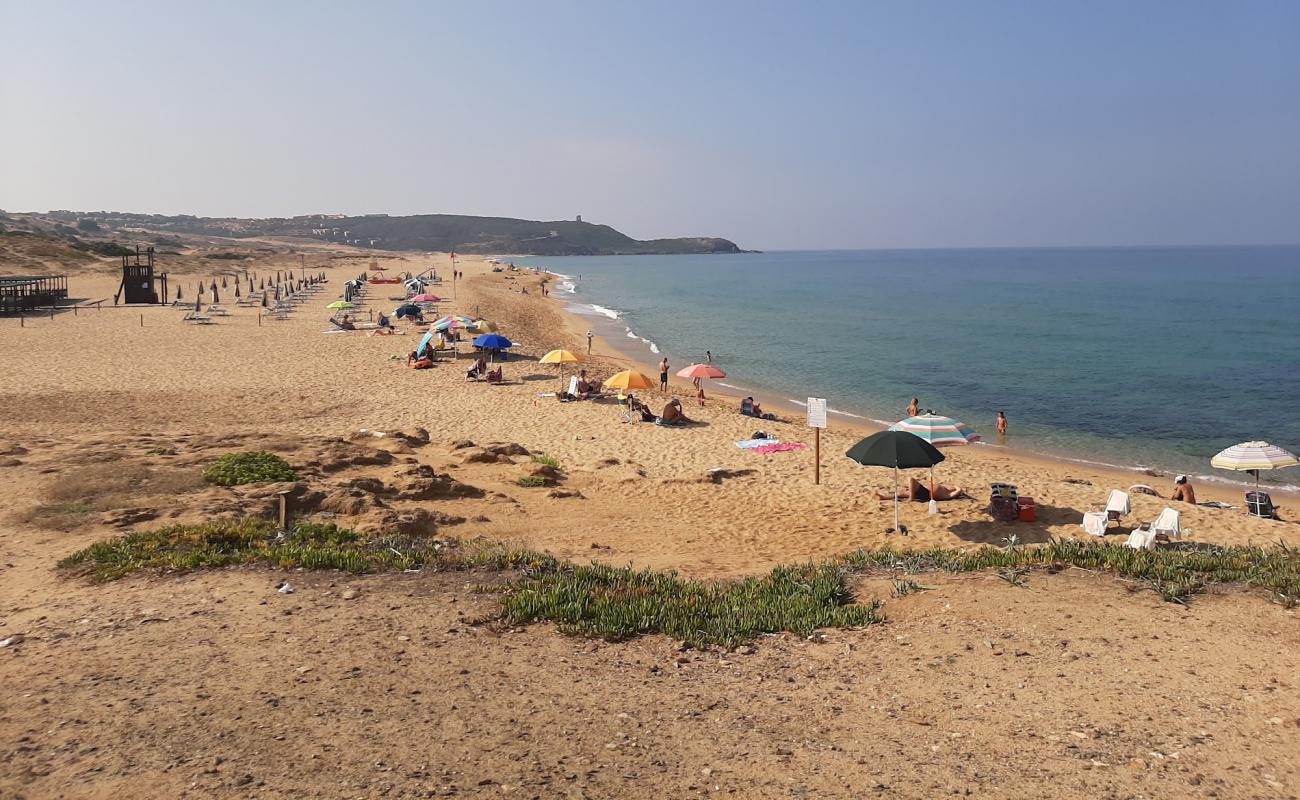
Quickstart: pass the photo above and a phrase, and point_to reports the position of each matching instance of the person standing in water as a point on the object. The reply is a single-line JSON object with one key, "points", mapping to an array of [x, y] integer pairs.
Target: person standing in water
{"points": [[1002, 423], [663, 375], [914, 407], [708, 356]]}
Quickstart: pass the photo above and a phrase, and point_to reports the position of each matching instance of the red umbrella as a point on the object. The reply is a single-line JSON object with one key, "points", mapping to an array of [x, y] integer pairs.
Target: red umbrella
{"points": [[696, 371]]}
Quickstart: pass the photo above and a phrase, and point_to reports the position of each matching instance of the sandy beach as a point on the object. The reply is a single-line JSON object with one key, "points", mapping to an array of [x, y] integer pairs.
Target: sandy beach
{"points": [[103, 393]]}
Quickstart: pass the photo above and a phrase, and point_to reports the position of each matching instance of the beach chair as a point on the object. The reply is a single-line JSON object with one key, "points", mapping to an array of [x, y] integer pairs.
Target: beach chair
{"points": [[1168, 524], [197, 319], [1004, 505], [1259, 504], [217, 311], [1141, 540]]}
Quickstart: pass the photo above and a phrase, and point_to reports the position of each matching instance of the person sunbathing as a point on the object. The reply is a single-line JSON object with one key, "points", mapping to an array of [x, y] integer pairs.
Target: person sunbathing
{"points": [[1183, 490], [345, 325], [494, 376], [673, 413], [919, 493]]}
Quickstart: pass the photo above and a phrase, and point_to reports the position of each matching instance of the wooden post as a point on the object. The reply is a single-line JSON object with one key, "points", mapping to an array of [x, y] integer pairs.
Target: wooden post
{"points": [[284, 510], [22, 321], [817, 456], [142, 320]]}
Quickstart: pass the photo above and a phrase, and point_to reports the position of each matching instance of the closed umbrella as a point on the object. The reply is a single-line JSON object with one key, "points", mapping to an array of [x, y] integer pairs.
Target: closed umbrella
{"points": [[628, 380], [897, 449], [1253, 457], [424, 298]]}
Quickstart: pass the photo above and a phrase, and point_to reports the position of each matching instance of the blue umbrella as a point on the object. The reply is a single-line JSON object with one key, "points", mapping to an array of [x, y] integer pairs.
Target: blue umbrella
{"points": [[424, 344], [493, 341]]}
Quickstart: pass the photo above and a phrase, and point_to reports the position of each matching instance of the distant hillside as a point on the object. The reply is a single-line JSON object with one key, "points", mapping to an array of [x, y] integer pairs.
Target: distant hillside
{"points": [[422, 232]]}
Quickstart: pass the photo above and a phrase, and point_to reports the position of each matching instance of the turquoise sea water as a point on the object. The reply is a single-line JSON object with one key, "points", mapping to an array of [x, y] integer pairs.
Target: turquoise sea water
{"points": [[1134, 357]]}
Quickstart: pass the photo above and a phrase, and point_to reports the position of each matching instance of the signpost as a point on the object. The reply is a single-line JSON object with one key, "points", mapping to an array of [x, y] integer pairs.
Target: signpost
{"points": [[817, 421]]}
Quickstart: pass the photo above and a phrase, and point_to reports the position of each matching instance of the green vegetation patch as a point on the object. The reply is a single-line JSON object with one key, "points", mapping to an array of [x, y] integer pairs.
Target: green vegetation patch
{"points": [[308, 545], [532, 481], [236, 469], [550, 461], [1175, 572], [620, 603]]}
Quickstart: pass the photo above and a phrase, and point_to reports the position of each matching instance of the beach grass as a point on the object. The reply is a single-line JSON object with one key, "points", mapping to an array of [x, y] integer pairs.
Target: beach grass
{"points": [[1175, 573], [619, 603], [256, 542]]}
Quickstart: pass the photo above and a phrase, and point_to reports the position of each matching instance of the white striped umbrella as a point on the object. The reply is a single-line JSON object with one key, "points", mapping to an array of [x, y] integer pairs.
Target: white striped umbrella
{"points": [[938, 430], [1252, 457]]}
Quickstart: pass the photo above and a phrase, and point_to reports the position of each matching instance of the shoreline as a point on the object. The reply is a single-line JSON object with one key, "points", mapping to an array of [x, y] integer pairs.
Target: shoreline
{"points": [[1210, 487]]}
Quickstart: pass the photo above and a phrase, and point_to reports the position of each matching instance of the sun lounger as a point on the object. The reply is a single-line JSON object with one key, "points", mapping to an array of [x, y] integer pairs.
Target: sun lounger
{"points": [[197, 319], [1168, 525]]}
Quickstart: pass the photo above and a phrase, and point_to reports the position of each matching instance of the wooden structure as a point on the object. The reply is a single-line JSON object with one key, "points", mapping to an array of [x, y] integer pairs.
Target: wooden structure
{"points": [[138, 280], [19, 293]]}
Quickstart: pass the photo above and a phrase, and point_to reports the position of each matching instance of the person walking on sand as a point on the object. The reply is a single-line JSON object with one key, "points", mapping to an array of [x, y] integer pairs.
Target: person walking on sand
{"points": [[914, 407], [1002, 423], [663, 375], [588, 342]]}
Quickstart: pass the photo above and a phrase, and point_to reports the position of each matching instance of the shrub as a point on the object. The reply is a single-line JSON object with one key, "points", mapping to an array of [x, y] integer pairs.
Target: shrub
{"points": [[236, 469], [550, 461], [532, 481]]}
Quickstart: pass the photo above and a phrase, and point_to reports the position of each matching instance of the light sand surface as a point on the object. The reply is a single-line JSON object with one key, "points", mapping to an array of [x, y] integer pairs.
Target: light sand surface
{"points": [[103, 371], [214, 685]]}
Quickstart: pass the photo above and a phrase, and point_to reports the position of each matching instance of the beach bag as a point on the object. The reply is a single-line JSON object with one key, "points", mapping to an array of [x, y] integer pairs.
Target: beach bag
{"points": [[759, 435]]}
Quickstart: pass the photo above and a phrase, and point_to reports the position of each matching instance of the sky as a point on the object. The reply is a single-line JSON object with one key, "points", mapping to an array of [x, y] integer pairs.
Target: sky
{"points": [[778, 125]]}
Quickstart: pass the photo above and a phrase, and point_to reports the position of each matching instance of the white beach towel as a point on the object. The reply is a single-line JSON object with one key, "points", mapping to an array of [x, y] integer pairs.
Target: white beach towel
{"points": [[1141, 540], [1118, 503], [747, 444], [1168, 523], [1094, 522]]}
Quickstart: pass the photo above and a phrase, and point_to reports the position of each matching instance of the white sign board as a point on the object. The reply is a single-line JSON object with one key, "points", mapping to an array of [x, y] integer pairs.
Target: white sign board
{"points": [[816, 412]]}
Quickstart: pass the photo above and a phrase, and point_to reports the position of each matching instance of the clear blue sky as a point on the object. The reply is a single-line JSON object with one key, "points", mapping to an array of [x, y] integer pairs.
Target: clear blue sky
{"points": [[779, 125]]}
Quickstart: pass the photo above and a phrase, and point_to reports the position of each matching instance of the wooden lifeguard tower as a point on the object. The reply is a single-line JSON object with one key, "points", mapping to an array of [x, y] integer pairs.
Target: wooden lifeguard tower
{"points": [[138, 280]]}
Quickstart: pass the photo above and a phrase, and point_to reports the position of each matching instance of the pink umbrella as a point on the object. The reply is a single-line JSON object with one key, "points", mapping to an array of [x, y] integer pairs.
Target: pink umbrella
{"points": [[424, 298], [697, 371]]}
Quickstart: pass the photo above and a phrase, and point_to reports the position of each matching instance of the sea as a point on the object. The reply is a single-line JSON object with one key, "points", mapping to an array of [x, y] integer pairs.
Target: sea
{"points": [[1131, 357]]}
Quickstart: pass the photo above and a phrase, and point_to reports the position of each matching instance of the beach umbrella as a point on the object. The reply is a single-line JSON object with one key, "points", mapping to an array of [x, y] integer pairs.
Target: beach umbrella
{"points": [[215, 299], [697, 371], [897, 449], [264, 303], [627, 380], [559, 358], [236, 291], [939, 431], [337, 304], [493, 341], [197, 305], [424, 298], [224, 285], [409, 309], [483, 326], [424, 343], [1253, 457], [178, 291], [262, 285]]}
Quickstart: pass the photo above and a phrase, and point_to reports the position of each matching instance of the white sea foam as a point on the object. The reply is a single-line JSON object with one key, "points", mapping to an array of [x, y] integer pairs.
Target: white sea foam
{"points": [[630, 334], [605, 312], [829, 410]]}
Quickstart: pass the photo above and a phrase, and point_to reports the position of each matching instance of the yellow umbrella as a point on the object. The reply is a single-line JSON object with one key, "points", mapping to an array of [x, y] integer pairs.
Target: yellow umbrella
{"points": [[560, 358], [483, 326], [628, 380]]}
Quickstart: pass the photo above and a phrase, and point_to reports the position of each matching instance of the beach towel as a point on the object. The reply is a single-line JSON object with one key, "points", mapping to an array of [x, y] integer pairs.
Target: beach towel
{"points": [[747, 444], [778, 448], [1094, 522], [1216, 504]]}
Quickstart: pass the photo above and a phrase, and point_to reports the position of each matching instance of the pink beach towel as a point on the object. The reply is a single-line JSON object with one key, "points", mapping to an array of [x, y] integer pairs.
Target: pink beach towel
{"points": [[777, 448]]}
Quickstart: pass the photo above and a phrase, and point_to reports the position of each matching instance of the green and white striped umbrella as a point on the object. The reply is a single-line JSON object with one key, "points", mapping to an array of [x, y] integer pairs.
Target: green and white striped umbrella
{"points": [[938, 430], [1254, 456]]}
